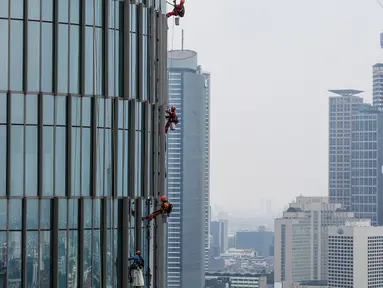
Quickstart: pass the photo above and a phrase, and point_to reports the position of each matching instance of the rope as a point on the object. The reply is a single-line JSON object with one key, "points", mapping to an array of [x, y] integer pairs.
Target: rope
{"points": [[381, 5]]}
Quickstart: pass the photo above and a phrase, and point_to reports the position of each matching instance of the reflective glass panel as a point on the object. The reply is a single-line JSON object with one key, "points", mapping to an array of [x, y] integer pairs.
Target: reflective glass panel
{"points": [[48, 161], [3, 155], [34, 10], [119, 65], [86, 111], [108, 163], [45, 214], [60, 164], [63, 10], [31, 161], [96, 213], [96, 259], [47, 10], [17, 8], [88, 209], [3, 52], [117, 267], [73, 213], [15, 217], [17, 108], [60, 110], [16, 53], [88, 256], [47, 57], [62, 262], [17, 161], [33, 56], [98, 6], [14, 259], [32, 214], [108, 113], [133, 66], [76, 111], [89, 12], [49, 109], [74, 58], [85, 154], [3, 214], [99, 63], [45, 264], [89, 60], [120, 164], [4, 8], [100, 162], [63, 213], [76, 168], [73, 254], [32, 256], [100, 112], [139, 165], [63, 54], [75, 11], [126, 163], [31, 109], [109, 259], [111, 63]]}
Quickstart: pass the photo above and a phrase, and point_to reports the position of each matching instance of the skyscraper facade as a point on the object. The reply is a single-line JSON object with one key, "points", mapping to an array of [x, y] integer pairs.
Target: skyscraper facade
{"points": [[377, 85], [355, 157], [82, 142], [187, 153]]}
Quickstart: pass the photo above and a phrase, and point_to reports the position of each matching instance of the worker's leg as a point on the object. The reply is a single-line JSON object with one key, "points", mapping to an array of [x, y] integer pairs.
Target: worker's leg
{"points": [[167, 127], [173, 13]]}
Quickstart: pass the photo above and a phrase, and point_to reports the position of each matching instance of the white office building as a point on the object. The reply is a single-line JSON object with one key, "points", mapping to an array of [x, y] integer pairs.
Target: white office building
{"points": [[355, 256]]}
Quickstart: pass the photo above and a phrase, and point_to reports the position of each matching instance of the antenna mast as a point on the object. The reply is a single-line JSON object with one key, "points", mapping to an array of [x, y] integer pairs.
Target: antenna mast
{"points": [[182, 41]]}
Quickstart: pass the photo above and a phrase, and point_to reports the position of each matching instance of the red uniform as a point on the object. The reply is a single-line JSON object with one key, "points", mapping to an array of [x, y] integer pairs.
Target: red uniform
{"points": [[171, 115], [179, 9]]}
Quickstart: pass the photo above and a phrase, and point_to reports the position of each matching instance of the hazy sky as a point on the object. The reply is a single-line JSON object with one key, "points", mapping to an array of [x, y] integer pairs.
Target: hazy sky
{"points": [[271, 63]]}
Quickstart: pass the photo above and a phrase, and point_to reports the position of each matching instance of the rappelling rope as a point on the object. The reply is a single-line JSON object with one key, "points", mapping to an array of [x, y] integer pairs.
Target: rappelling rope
{"points": [[380, 3]]}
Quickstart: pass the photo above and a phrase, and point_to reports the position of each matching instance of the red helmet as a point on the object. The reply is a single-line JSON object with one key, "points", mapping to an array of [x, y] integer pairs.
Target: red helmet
{"points": [[173, 108], [182, 1], [163, 198]]}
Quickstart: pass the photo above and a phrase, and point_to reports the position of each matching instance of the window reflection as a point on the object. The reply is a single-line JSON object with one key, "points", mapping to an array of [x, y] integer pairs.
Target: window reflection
{"points": [[111, 68], [31, 109], [31, 161], [100, 162], [17, 108], [62, 262], [63, 53], [133, 66], [76, 161], [86, 111], [108, 113], [133, 18], [63, 213], [15, 217], [45, 259], [88, 209], [89, 58], [139, 164], [60, 110], [100, 112], [109, 258], [34, 9], [14, 262], [63, 11], [120, 159], [32, 256], [49, 109], [3, 155], [4, 9], [88, 258], [60, 163], [116, 260], [120, 114], [99, 63], [3, 51], [3, 215], [48, 161], [16, 52], [72, 258], [75, 11], [17, 161], [97, 250], [126, 163], [32, 214], [146, 68], [89, 12], [76, 111], [98, 6], [47, 13], [47, 57], [108, 163], [17, 8], [85, 154], [118, 66], [73, 213], [45, 214], [74, 57]]}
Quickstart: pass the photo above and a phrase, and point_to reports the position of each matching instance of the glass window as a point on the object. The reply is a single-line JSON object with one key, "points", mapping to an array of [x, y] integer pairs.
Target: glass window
{"points": [[31, 161], [14, 263], [99, 9], [74, 58], [31, 109], [126, 164], [15, 217], [49, 109], [73, 213], [60, 110], [62, 260], [133, 18], [120, 114], [47, 13], [60, 163], [63, 11], [127, 114], [109, 260], [96, 213], [17, 108], [75, 11], [118, 66], [88, 213], [86, 111], [138, 155], [100, 162], [117, 267], [63, 213], [17, 161], [85, 154], [120, 164], [3, 213], [63, 53], [17, 8], [108, 163], [45, 214], [99, 63], [32, 258], [133, 66], [3, 51], [88, 257], [97, 250], [72, 253], [100, 112], [146, 68], [76, 168], [16, 53], [108, 113], [32, 214], [89, 60], [4, 8], [47, 57], [48, 161], [76, 111], [34, 9], [3, 155], [89, 12], [111, 64], [45, 259]]}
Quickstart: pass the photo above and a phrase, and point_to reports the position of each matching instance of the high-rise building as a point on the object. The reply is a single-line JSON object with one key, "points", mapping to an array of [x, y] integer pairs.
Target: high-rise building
{"points": [[300, 239], [259, 241], [187, 178], [82, 143], [217, 230], [355, 158], [355, 255], [377, 85]]}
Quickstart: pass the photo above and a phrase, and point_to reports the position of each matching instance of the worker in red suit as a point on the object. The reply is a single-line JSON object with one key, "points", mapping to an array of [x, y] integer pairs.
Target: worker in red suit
{"points": [[172, 119], [179, 10]]}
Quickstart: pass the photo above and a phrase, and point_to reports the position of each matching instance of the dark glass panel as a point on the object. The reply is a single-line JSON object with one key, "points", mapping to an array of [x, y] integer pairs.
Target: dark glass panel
{"points": [[45, 214], [16, 53], [63, 54], [31, 105], [15, 217], [88, 257], [89, 60], [60, 162], [32, 258], [63, 213], [3, 155], [31, 157], [74, 58], [108, 163], [17, 108], [3, 214], [100, 162], [73, 213], [86, 161], [97, 250], [76, 157], [48, 161], [45, 259], [17, 161], [48, 110], [32, 214], [73, 258], [33, 56], [120, 164], [60, 110], [88, 217], [62, 259], [47, 57]]}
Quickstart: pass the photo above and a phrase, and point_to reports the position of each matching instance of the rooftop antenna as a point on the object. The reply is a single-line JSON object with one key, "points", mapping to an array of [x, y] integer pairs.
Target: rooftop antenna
{"points": [[182, 43]]}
